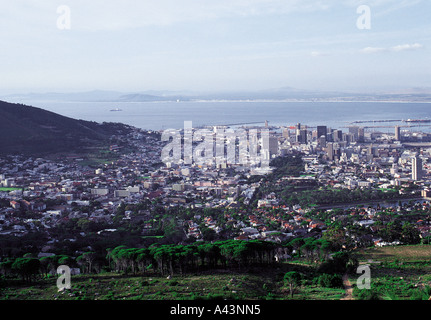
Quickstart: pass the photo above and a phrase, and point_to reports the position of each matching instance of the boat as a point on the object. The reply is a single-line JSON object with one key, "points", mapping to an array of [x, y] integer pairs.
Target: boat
{"points": [[116, 109]]}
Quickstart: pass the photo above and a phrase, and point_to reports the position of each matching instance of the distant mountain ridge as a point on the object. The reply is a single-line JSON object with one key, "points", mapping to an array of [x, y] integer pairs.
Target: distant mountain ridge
{"points": [[415, 94], [30, 130]]}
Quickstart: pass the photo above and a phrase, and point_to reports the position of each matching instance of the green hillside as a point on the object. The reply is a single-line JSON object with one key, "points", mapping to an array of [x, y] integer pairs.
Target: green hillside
{"points": [[255, 284], [33, 131]]}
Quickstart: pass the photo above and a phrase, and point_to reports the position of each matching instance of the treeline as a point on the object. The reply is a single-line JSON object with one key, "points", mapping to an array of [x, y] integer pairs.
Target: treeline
{"points": [[172, 259], [165, 259], [179, 259], [288, 195], [30, 268]]}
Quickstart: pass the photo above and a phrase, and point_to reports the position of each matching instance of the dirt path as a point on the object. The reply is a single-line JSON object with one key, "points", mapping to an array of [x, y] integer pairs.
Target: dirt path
{"points": [[348, 287]]}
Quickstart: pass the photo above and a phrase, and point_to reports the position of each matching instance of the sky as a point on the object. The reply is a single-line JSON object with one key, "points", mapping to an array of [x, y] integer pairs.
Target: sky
{"points": [[214, 45]]}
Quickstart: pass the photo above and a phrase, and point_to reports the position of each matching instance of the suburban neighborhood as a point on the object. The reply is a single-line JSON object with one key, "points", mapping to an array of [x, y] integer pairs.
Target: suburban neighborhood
{"points": [[230, 201]]}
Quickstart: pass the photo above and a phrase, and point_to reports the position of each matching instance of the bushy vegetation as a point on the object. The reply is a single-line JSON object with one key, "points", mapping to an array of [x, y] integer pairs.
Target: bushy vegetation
{"points": [[330, 280]]}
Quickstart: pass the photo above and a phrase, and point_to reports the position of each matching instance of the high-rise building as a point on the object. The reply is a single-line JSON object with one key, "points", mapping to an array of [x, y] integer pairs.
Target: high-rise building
{"points": [[337, 135], [416, 168], [358, 133], [397, 133], [298, 130], [361, 134], [273, 145], [302, 137], [321, 131], [330, 150], [348, 137], [322, 141]]}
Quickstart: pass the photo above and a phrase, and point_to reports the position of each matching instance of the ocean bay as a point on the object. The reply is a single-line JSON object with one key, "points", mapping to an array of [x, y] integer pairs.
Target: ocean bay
{"points": [[171, 114]]}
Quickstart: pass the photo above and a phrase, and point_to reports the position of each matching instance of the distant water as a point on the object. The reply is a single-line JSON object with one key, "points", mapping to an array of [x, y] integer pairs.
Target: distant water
{"points": [[163, 115]]}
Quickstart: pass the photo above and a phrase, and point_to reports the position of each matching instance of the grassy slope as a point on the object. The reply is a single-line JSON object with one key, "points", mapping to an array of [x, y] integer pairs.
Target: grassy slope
{"points": [[398, 272], [256, 284], [402, 271], [401, 253]]}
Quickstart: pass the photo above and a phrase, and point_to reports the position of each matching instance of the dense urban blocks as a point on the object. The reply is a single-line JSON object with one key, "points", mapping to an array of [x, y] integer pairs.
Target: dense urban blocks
{"points": [[219, 146]]}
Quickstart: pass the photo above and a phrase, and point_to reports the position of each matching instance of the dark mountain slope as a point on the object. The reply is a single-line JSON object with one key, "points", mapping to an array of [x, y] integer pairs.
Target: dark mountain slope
{"points": [[29, 130]]}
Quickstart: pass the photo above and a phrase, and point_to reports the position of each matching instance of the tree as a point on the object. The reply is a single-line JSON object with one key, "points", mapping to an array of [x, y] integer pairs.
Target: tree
{"points": [[292, 280], [296, 244], [308, 248], [143, 259], [340, 263], [162, 256], [6, 266], [64, 260], [84, 224], [171, 231], [324, 248], [87, 259], [391, 231], [208, 234], [46, 264], [26, 267], [113, 255], [209, 252], [336, 236], [330, 280], [410, 234], [128, 258]]}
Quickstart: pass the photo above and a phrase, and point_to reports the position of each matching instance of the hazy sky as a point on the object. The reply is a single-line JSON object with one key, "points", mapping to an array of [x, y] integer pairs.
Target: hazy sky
{"points": [[210, 45]]}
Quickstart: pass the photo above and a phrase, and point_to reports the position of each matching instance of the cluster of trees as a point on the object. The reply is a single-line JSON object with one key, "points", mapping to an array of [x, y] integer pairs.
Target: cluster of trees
{"points": [[29, 267], [178, 259], [406, 232], [291, 165], [163, 259], [26, 267], [172, 259], [310, 248], [292, 196]]}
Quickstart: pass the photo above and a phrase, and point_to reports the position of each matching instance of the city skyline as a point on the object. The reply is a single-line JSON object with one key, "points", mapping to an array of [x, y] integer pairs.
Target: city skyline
{"points": [[211, 46]]}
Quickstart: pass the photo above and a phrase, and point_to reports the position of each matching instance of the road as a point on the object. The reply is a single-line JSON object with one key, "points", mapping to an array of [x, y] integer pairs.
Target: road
{"points": [[348, 287]]}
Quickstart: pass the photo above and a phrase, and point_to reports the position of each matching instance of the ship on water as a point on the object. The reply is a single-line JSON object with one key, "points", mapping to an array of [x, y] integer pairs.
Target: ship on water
{"points": [[116, 109]]}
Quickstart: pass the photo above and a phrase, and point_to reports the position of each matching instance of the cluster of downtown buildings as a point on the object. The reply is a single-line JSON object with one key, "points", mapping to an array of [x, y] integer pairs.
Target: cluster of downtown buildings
{"points": [[59, 190], [401, 155]]}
